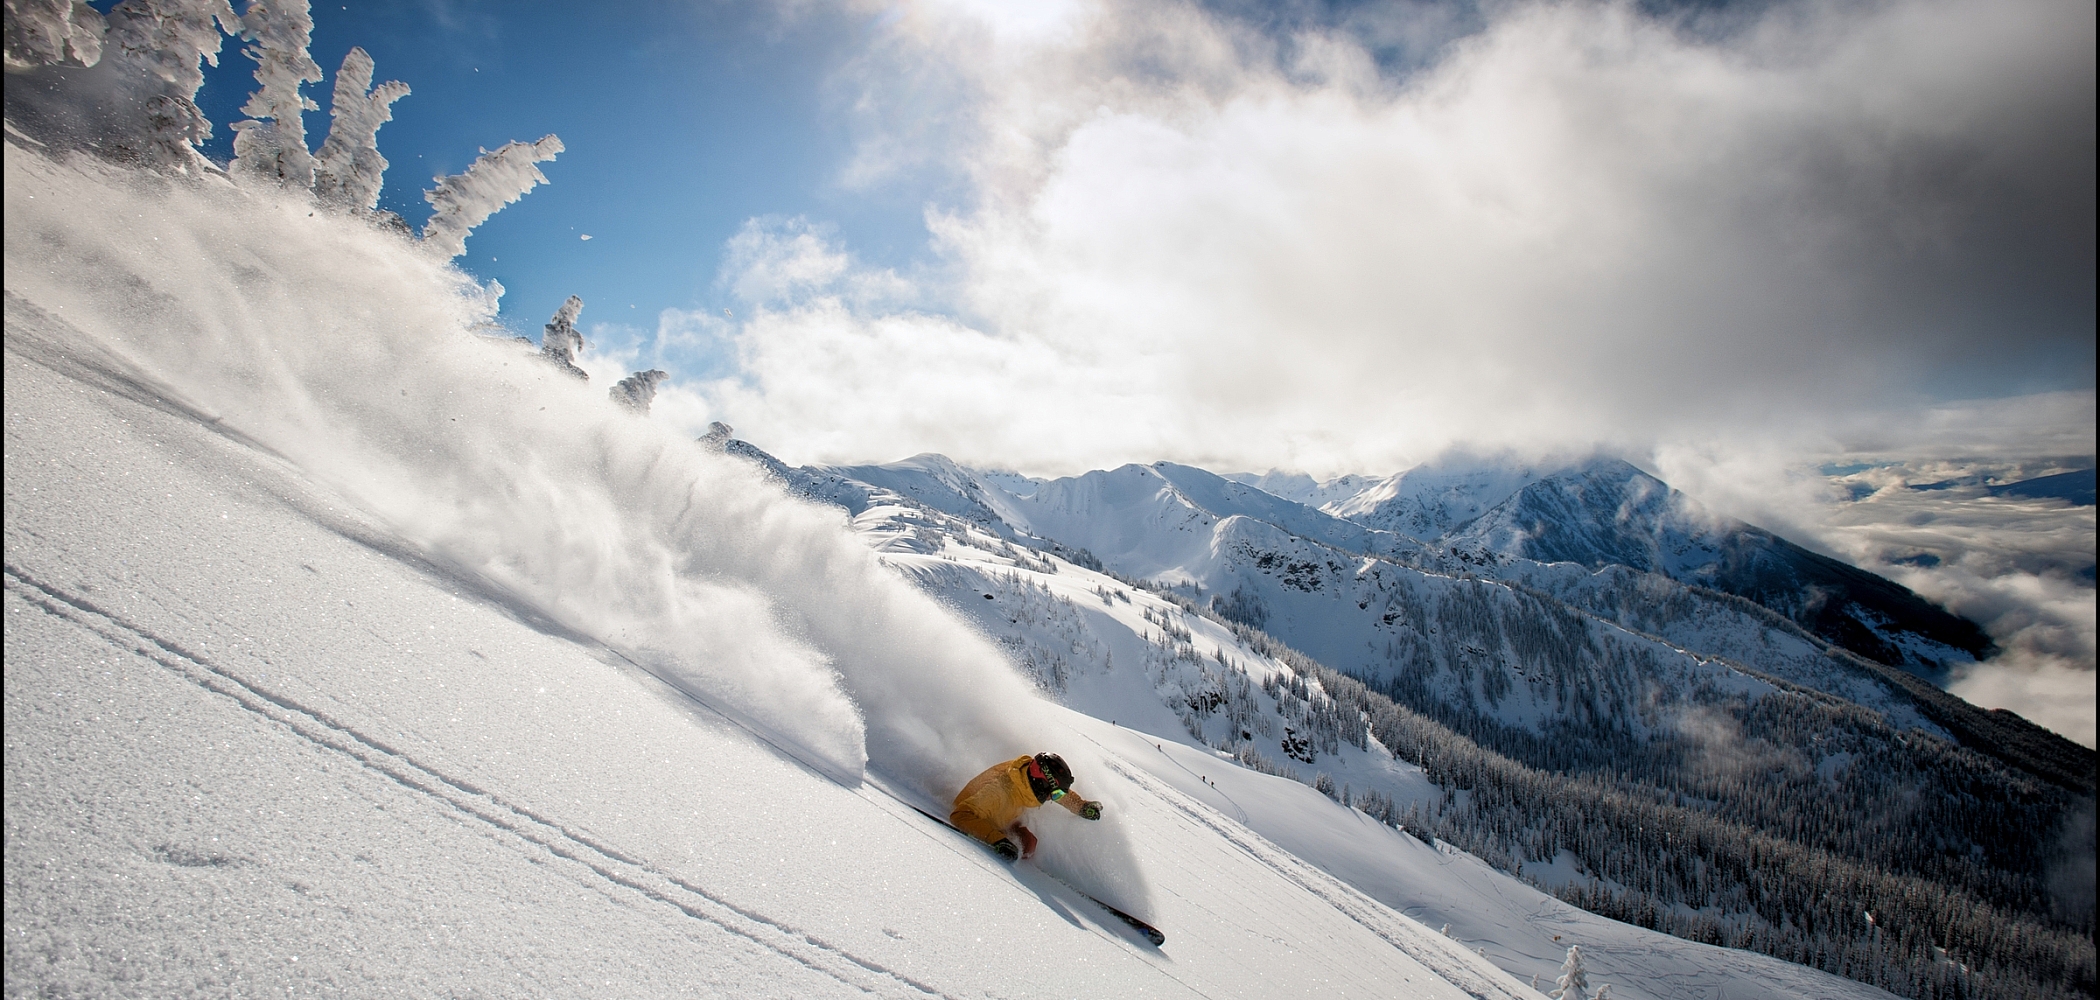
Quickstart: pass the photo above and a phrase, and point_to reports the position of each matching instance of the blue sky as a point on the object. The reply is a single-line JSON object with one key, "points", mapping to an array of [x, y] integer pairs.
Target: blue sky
{"points": [[681, 121]]}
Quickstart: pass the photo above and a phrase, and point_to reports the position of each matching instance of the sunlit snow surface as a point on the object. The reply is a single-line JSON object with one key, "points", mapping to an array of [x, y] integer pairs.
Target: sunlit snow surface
{"points": [[1519, 928], [335, 663], [349, 652]]}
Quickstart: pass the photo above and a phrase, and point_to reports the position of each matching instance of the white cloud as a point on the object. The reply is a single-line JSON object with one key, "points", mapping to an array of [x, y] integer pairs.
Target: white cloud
{"points": [[2019, 567], [1191, 240], [2047, 692]]}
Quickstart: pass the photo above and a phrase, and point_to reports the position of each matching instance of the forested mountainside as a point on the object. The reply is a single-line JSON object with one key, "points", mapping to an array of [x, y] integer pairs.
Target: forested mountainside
{"points": [[1710, 767], [1607, 512]]}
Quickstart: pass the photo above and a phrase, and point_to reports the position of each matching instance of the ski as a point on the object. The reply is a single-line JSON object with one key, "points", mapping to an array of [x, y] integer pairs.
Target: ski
{"points": [[1151, 933]]}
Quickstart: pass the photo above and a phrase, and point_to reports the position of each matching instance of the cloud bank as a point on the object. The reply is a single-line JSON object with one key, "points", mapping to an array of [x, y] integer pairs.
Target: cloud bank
{"points": [[2022, 568], [1190, 236]]}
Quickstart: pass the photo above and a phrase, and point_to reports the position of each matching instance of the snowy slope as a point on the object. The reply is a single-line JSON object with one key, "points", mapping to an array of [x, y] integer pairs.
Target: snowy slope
{"points": [[931, 480], [1298, 487], [1433, 499], [1614, 676], [1601, 511], [1412, 615], [1112, 652], [1298, 573], [1154, 520], [332, 669]]}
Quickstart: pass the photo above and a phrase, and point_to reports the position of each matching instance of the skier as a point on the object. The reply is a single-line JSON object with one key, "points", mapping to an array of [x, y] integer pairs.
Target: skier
{"points": [[990, 806]]}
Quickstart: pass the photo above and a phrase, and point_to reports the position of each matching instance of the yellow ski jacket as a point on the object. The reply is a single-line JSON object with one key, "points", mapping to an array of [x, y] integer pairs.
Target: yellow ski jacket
{"points": [[992, 803]]}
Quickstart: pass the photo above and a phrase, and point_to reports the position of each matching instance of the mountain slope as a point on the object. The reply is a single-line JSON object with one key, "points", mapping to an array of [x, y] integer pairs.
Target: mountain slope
{"points": [[1191, 683], [1609, 686], [1606, 512], [1298, 487], [1436, 498], [272, 728]]}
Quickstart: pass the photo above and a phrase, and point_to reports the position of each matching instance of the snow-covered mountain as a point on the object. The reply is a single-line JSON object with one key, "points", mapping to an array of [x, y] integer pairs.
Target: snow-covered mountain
{"points": [[1606, 512], [1564, 668], [1298, 487], [1436, 498], [1313, 578], [1601, 511], [1145, 663], [1157, 521]]}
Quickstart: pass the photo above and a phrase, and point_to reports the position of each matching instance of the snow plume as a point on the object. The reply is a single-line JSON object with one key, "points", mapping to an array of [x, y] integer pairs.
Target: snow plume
{"points": [[51, 32], [281, 31], [348, 169], [333, 345], [463, 201]]}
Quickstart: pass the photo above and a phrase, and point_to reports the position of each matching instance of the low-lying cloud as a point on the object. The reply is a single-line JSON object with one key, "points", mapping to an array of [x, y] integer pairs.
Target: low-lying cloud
{"points": [[2020, 567]]}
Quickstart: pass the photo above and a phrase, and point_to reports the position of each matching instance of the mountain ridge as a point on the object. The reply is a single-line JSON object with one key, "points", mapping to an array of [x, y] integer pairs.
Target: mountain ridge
{"points": [[1541, 665]]}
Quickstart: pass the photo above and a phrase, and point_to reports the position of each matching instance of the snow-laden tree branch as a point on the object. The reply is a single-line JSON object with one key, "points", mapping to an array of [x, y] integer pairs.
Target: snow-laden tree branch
{"points": [[496, 179], [167, 41], [638, 390], [348, 170], [132, 96], [560, 342], [52, 32], [276, 150]]}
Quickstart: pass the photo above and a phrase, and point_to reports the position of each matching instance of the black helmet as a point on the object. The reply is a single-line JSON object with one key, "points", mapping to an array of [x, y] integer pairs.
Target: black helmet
{"points": [[1049, 777]]}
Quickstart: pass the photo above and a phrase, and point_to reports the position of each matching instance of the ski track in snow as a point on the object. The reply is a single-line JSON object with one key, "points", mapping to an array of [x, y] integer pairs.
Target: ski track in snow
{"points": [[600, 859]]}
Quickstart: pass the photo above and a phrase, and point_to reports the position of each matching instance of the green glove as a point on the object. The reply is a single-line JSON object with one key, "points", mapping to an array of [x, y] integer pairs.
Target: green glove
{"points": [[1091, 810]]}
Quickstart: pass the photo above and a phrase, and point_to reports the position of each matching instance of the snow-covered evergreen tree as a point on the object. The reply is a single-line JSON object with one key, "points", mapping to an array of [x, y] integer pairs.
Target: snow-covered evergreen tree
{"points": [[166, 42], [638, 390], [1573, 980], [560, 342], [51, 32], [466, 200], [276, 150], [348, 169]]}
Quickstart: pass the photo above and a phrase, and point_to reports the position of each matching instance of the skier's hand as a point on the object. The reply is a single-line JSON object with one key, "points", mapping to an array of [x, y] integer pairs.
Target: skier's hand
{"points": [[1091, 810], [1005, 848]]}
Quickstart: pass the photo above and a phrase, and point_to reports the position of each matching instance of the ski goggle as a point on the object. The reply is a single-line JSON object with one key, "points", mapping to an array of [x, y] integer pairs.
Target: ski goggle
{"points": [[1035, 771]]}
